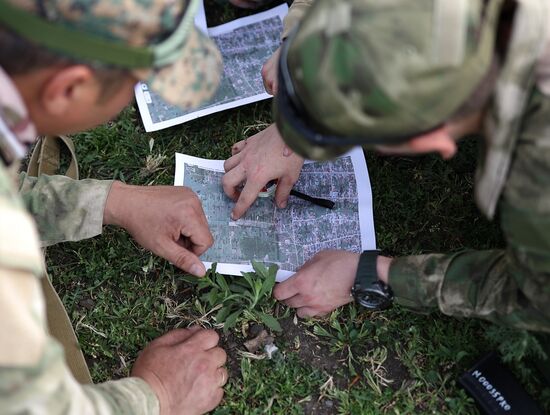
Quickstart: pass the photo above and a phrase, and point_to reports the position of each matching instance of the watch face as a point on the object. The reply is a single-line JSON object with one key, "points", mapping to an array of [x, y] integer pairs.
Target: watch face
{"points": [[376, 297]]}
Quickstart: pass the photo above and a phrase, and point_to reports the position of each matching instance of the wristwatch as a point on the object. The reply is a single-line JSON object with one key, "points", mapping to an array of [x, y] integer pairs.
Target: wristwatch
{"points": [[368, 290]]}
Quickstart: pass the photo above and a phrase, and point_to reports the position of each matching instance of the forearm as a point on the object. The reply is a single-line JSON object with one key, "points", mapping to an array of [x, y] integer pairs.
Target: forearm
{"points": [[65, 209], [48, 387], [482, 284]]}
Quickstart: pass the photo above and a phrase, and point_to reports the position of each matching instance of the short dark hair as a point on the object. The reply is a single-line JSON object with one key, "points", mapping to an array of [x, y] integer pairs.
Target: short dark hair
{"points": [[18, 56]]}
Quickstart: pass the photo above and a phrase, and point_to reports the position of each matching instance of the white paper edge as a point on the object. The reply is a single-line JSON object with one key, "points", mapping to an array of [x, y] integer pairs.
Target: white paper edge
{"points": [[364, 198], [200, 22]]}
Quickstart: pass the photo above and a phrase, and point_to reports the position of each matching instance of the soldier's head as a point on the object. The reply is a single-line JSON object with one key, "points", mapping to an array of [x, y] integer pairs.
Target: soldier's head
{"points": [[397, 75], [75, 62]]}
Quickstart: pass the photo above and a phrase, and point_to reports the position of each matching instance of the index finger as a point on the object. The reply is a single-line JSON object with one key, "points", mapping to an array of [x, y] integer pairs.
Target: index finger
{"points": [[248, 195], [173, 336], [204, 339], [232, 180]]}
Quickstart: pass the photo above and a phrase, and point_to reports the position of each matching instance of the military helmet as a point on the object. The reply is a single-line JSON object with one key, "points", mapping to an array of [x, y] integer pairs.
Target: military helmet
{"points": [[368, 72], [156, 40]]}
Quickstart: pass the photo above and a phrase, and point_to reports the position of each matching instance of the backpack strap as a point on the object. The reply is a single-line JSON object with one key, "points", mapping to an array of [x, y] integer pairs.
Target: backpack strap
{"points": [[46, 157]]}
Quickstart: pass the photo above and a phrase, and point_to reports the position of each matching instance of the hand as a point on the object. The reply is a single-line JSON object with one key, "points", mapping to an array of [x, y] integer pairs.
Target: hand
{"points": [[166, 220], [256, 161], [321, 285], [249, 4], [269, 72], [185, 370]]}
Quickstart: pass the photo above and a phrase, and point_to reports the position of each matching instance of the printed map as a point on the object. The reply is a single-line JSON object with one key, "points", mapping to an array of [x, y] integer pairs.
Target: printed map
{"points": [[287, 237], [244, 48]]}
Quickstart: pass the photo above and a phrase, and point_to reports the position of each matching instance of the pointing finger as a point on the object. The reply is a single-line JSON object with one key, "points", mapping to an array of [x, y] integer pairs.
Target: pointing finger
{"points": [[284, 186], [248, 195], [232, 180]]}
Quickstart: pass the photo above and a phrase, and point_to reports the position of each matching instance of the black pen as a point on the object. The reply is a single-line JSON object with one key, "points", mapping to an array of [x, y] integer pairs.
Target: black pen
{"points": [[269, 190], [329, 204]]}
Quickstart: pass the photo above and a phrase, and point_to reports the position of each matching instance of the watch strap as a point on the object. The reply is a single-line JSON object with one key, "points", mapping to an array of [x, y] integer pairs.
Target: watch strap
{"points": [[366, 269]]}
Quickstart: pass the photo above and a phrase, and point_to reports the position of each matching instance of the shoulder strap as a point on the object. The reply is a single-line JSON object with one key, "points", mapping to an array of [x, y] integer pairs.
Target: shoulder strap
{"points": [[46, 157]]}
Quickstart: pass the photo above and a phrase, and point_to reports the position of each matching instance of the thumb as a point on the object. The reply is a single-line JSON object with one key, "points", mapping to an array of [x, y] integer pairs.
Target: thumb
{"points": [[184, 259]]}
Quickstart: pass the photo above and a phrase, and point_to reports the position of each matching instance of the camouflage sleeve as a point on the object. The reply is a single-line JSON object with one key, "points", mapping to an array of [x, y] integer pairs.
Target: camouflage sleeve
{"points": [[510, 286], [34, 378], [295, 14], [65, 209]]}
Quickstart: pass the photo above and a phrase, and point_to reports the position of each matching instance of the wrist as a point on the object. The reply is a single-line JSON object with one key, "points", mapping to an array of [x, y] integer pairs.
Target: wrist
{"points": [[383, 264], [112, 212], [370, 288]]}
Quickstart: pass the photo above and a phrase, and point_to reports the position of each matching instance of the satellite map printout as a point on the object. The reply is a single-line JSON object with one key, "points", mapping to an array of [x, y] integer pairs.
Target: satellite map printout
{"points": [[245, 45], [287, 237]]}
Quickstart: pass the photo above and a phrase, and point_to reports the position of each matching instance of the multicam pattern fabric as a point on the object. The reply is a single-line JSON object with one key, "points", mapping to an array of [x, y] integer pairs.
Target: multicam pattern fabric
{"points": [[189, 81], [64, 209], [510, 286], [294, 15], [531, 29], [34, 377], [138, 23]]}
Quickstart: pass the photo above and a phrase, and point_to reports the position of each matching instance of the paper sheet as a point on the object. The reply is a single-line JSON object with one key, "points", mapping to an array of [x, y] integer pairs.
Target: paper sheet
{"points": [[245, 45], [287, 237]]}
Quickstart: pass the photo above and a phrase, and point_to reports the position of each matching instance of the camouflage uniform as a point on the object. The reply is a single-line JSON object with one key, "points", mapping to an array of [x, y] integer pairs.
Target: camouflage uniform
{"points": [[156, 42], [33, 373], [294, 15], [510, 286]]}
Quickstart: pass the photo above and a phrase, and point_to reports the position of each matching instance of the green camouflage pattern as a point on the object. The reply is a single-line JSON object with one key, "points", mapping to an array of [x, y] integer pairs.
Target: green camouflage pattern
{"points": [[382, 69], [295, 13], [531, 29], [191, 80], [64, 209], [509, 286], [34, 377]]}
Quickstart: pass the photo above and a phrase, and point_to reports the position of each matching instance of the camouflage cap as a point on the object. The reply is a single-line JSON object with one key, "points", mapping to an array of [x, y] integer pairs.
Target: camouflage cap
{"points": [[364, 72], [156, 40]]}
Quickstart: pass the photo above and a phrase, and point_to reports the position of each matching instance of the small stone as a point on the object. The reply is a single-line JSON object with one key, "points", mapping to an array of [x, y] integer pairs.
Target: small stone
{"points": [[329, 403]]}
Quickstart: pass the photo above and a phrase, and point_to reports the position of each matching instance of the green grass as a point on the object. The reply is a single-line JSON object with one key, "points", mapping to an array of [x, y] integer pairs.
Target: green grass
{"points": [[120, 297]]}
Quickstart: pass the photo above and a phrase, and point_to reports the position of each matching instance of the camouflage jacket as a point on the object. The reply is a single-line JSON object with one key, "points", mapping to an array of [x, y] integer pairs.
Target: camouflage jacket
{"points": [[34, 377], [510, 286]]}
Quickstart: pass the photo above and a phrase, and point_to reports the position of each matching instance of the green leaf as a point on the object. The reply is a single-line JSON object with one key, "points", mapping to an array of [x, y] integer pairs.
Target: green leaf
{"points": [[249, 277], [270, 321], [235, 288], [321, 331], [259, 268], [269, 281], [222, 283], [222, 314], [231, 320], [212, 297]]}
